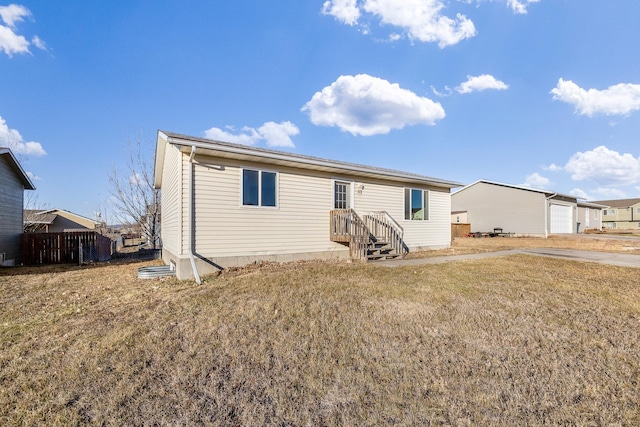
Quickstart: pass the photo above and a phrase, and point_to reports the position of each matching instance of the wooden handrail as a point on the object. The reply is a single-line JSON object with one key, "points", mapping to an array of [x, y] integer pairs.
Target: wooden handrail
{"points": [[385, 228], [346, 226]]}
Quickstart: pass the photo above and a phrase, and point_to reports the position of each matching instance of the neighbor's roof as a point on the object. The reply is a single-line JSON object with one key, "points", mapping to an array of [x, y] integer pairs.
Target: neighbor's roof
{"points": [[15, 165], [585, 204], [244, 152], [519, 187], [621, 203], [37, 216]]}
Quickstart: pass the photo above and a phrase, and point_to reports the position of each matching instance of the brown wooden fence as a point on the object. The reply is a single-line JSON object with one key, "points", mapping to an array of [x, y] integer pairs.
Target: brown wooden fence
{"points": [[65, 248], [459, 230]]}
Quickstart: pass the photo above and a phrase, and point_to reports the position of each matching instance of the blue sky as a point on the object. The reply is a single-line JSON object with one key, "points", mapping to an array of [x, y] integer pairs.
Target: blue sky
{"points": [[542, 93]]}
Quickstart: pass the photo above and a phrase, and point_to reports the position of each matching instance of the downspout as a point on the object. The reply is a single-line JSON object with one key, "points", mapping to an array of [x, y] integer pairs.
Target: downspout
{"points": [[546, 214], [191, 216]]}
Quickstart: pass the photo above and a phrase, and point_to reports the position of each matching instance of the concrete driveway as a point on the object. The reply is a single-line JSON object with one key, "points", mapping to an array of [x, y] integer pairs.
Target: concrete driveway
{"points": [[624, 260]]}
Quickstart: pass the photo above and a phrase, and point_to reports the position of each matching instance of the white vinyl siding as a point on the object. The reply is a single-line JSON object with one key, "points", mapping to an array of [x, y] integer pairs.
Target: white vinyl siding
{"points": [[170, 202], [300, 224], [380, 196], [226, 229], [492, 206]]}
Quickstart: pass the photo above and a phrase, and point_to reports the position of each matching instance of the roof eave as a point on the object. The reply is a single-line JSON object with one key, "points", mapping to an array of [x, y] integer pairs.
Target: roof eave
{"points": [[26, 181], [225, 149]]}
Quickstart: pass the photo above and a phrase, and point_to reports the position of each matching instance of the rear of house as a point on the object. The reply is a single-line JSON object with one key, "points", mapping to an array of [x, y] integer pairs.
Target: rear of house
{"points": [[13, 182], [228, 205], [515, 209]]}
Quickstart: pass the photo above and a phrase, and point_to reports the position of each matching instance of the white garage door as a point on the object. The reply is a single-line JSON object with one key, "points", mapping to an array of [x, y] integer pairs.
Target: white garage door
{"points": [[561, 219]]}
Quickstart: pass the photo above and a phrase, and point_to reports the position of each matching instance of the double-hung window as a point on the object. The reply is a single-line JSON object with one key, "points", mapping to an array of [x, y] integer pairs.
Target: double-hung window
{"points": [[416, 204], [259, 188]]}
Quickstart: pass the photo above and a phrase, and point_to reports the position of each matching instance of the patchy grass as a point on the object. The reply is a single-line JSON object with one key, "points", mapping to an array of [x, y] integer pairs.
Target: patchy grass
{"points": [[518, 340], [467, 245]]}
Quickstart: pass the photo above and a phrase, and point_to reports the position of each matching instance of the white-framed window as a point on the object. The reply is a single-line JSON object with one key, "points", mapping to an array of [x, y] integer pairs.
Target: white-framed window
{"points": [[609, 212], [341, 194], [416, 204], [259, 188], [596, 214]]}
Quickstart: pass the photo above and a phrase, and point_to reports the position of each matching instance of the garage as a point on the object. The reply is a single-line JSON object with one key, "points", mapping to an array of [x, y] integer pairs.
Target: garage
{"points": [[561, 219]]}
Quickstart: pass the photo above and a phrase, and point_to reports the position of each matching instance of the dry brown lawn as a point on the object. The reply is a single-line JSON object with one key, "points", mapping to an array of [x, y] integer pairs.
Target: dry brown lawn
{"points": [[466, 245], [518, 340]]}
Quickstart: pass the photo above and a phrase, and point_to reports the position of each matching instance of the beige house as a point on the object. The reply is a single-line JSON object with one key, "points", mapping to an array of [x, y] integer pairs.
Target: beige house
{"points": [[523, 211], [621, 214], [228, 204], [13, 182], [56, 220]]}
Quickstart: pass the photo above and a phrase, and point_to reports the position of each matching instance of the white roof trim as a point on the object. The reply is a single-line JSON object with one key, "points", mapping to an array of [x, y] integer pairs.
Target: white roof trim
{"points": [[183, 140], [26, 181], [518, 187]]}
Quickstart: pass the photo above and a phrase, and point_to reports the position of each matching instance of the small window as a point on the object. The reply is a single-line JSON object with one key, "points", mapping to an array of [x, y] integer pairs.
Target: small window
{"points": [[341, 195], [416, 204], [258, 188]]}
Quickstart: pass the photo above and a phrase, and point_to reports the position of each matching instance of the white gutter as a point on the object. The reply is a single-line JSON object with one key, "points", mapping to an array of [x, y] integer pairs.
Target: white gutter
{"points": [[191, 216], [546, 215]]}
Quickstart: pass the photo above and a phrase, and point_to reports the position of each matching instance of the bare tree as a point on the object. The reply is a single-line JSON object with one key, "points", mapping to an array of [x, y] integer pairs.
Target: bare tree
{"points": [[134, 198], [32, 220]]}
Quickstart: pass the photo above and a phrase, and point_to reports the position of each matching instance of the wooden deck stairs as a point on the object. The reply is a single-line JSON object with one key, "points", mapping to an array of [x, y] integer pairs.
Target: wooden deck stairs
{"points": [[374, 236]]}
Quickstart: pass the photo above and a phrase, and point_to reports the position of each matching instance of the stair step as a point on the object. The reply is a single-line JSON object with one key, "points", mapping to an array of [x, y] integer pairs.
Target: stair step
{"points": [[380, 257]]}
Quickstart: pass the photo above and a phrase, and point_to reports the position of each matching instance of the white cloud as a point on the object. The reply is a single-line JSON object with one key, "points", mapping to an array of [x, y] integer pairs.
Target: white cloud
{"points": [[274, 134], [13, 13], [12, 139], [606, 167], [10, 42], [536, 180], [278, 134], [345, 11], [421, 20], [619, 99], [552, 167], [610, 193], [580, 194], [520, 6], [39, 43], [447, 91], [480, 83], [366, 105]]}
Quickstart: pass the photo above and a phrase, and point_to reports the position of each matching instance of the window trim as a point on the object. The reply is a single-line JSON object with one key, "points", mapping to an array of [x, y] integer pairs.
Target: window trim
{"points": [[426, 203], [276, 188], [350, 192]]}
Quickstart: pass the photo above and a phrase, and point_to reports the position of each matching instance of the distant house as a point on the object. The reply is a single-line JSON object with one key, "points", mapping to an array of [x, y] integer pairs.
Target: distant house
{"points": [[621, 214], [228, 204], [13, 182], [55, 221], [488, 205]]}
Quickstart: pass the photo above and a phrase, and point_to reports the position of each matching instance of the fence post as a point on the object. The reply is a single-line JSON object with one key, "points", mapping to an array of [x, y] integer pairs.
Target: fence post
{"points": [[79, 251]]}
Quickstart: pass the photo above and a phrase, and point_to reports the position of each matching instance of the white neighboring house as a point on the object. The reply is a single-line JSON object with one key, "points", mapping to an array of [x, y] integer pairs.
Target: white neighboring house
{"points": [[13, 182], [228, 205], [522, 210]]}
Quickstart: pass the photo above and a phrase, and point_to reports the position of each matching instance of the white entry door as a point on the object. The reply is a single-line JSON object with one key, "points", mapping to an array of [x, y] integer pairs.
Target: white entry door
{"points": [[561, 219], [341, 195]]}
